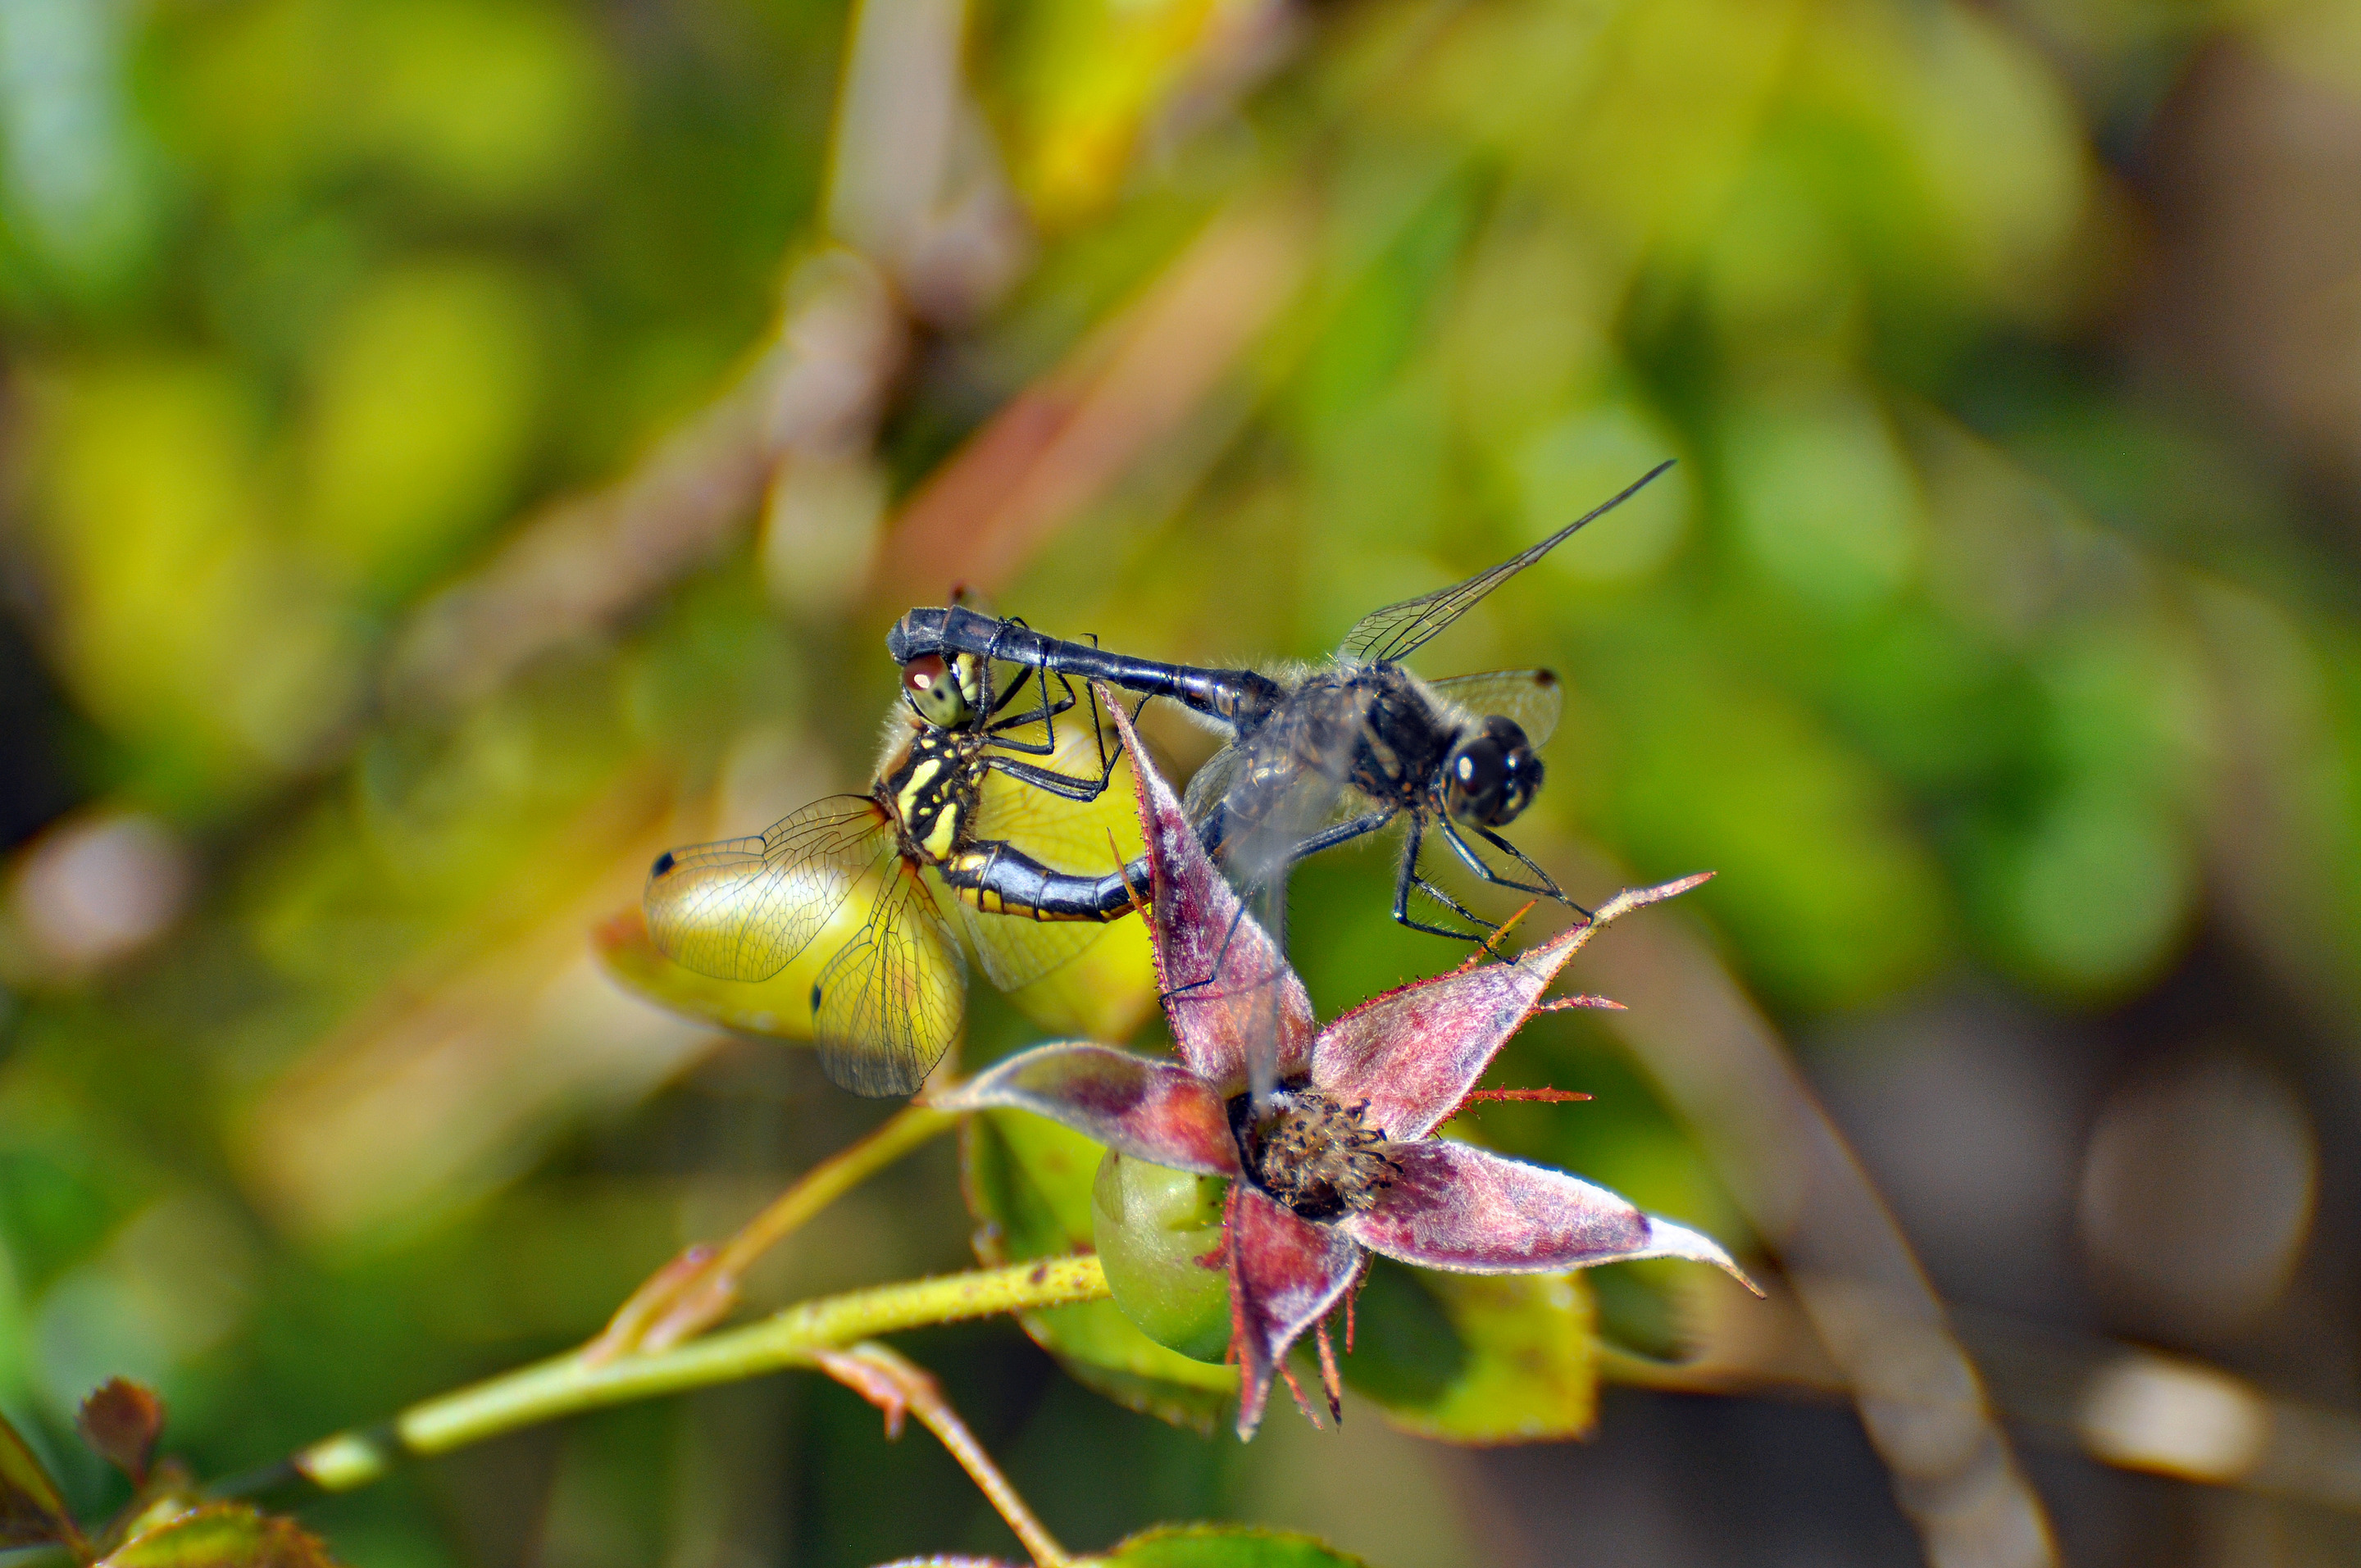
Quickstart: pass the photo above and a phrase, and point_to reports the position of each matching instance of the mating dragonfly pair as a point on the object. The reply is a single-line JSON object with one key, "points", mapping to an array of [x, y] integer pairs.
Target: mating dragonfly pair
{"points": [[980, 789]]}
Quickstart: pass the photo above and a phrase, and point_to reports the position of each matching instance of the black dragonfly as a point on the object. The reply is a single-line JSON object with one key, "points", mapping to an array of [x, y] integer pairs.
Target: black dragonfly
{"points": [[1456, 758], [846, 879]]}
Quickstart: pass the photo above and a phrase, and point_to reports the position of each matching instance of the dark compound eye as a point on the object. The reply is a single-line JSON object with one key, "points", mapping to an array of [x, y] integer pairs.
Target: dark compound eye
{"points": [[1492, 775], [934, 691]]}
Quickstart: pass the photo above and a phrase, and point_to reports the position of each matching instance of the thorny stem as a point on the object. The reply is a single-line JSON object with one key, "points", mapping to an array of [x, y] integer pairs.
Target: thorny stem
{"points": [[697, 1289], [895, 1385], [794, 1336]]}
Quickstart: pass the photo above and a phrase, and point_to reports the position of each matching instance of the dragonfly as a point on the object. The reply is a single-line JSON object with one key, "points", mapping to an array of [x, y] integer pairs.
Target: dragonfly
{"points": [[972, 796], [1458, 759]]}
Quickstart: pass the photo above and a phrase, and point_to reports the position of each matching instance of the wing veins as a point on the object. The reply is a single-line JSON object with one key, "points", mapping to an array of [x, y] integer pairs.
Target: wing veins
{"points": [[1396, 630]]}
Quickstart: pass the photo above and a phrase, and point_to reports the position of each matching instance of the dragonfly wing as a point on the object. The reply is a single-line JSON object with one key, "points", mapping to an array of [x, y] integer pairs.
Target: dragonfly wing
{"points": [[741, 908], [1394, 631], [1277, 800], [1211, 783], [1015, 951], [1532, 698], [889, 1003]]}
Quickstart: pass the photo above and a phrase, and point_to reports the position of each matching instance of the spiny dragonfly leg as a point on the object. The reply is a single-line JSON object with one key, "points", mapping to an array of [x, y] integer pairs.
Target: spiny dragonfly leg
{"points": [[1547, 888], [1407, 878], [1045, 716], [1220, 955], [1066, 785]]}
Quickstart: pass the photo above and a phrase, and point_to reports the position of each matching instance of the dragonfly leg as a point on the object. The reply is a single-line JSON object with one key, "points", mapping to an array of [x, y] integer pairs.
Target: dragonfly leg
{"points": [[1068, 785], [1344, 832], [1407, 878], [992, 706], [1098, 735], [1548, 888], [1045, 714], [1219, 955], [1065, 785]]}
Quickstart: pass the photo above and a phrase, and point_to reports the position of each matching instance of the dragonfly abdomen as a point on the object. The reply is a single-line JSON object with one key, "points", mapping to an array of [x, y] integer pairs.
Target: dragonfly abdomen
{"points": [[1239, 698], [1000, 879]]}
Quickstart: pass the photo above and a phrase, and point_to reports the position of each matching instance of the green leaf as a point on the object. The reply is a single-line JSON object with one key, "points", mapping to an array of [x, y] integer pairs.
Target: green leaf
{"points": [[1476, 1358], [1027, 1182], [1224, 1546], [223, 1535], [31, 1511]]}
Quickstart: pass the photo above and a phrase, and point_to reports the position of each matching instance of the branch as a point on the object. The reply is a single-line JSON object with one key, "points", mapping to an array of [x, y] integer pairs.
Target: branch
{"points": [[895, 1386], [796, 1336], [697, 1290]]}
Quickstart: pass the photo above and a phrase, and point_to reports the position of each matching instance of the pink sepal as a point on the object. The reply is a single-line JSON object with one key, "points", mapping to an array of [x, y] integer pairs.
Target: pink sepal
{"points": [[1285, 1274], [1155, 1110]]}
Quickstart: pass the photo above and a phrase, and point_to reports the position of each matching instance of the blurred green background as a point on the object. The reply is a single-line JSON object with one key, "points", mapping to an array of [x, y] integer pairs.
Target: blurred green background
{"points": [[454, 448]]}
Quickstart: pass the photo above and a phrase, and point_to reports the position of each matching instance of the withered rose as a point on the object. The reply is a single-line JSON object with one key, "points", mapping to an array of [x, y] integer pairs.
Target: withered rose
{"points": [[1340, 1162]]}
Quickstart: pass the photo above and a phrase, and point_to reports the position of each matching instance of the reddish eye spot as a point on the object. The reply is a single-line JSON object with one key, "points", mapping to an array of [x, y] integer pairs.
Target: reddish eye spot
{"points": [[921, 673]]}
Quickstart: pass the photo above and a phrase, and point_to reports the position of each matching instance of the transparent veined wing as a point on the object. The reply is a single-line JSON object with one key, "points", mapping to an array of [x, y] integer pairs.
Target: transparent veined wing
{"points": [[1210, 782], [1392, 632], [1277, 801], [1533, 699], [889, 1003], [741, 908], [1015, 951], [1089, 838]]}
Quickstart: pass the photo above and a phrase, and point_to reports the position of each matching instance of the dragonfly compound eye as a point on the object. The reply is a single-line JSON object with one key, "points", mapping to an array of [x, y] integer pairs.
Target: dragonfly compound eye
{"points": [[934, 691], [1491, 775]]}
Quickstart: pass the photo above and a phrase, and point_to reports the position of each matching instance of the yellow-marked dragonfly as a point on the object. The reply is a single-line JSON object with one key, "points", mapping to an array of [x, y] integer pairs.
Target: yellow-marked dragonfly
{"points": [[1017, 817], [1458, 758]]}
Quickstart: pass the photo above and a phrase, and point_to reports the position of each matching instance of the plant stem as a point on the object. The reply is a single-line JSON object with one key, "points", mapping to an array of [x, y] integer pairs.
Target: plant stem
{"points": [[909, 1128], [895, 1385], [794, 1336], [697, 1288]]}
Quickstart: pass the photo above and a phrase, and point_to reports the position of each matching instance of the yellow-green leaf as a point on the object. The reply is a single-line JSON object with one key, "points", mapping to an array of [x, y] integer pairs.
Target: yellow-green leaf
{"points": [[223, 1535]]}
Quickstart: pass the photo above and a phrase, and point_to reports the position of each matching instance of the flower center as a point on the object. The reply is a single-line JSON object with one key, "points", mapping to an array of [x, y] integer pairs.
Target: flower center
{"points": [[1312, 1152]]}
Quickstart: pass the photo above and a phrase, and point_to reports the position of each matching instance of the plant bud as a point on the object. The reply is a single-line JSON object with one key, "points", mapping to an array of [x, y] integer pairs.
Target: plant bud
{"points": [[1159, 1237]]}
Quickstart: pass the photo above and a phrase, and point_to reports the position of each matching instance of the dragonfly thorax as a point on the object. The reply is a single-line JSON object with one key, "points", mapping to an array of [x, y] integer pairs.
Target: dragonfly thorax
{"points": [[931, 791], [1397, 736]]}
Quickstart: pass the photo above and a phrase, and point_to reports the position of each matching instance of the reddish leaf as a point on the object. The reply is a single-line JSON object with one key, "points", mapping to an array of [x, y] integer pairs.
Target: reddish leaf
{"points": [[120, 1420], [1225, 981], [31, 1512]]}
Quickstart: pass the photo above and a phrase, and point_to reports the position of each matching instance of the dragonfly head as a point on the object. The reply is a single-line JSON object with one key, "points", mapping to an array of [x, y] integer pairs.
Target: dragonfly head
{"points": [[944, 694], [1491, 775]]}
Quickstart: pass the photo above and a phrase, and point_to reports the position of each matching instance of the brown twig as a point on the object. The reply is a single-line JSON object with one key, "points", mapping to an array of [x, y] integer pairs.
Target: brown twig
{"points": [[1724, 1068], [895, 1385]]}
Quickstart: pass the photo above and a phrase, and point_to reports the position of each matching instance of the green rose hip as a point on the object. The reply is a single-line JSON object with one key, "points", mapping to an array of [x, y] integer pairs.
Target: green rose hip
{"points": [[1159, 1237]]}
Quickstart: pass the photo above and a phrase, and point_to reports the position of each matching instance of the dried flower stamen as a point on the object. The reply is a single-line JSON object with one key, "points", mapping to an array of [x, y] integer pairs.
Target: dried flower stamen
{"points": [[1312, 1152]]}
